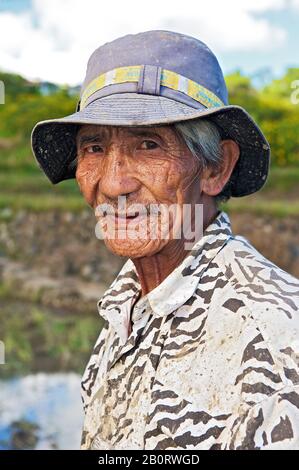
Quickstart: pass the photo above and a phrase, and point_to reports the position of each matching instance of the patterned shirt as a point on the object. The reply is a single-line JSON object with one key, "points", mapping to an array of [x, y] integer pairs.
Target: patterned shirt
{"points": [[212, 361]]}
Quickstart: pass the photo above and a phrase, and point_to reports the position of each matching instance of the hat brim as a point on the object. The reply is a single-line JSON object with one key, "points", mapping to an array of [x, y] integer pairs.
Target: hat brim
{"points": [[54, 141]]}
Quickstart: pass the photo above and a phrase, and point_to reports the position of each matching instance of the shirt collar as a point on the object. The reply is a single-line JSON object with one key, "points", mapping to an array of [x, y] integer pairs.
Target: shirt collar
{"points": [[115, 305]]}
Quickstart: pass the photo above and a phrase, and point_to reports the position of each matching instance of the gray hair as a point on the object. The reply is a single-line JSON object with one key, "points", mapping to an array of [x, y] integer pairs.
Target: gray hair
{"points": [[203, 138]]}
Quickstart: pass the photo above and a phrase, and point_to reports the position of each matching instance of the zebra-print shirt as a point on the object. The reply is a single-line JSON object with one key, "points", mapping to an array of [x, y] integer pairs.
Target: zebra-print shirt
{"points": [[212, 361]]}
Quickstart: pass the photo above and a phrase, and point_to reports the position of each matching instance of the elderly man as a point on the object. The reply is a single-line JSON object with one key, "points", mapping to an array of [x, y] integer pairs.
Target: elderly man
{"points": [[199, 348]]}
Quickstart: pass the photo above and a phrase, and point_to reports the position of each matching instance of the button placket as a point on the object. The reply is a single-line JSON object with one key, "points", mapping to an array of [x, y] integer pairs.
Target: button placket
{"points": [[139, 324]]}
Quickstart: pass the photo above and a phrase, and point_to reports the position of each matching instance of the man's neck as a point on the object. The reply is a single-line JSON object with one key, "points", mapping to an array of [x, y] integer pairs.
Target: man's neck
{"points": [[152, 270]]}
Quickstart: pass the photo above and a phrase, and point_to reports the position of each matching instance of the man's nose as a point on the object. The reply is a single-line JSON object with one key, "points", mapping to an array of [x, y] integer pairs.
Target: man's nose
{"points": [[117, 175]]}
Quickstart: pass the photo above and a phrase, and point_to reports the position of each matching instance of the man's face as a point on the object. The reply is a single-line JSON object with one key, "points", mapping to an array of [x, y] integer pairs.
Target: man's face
{"points": [[148, 166]]}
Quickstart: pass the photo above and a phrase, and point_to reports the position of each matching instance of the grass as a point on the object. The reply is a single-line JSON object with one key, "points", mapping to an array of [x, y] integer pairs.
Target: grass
{"points": [[282, 180], [37, 338], [281, 208], [9, 203], [24, 186], [35, 183]]}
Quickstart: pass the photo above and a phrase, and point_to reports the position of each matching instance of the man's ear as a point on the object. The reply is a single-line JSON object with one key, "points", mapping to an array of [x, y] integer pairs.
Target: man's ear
{"points": [[213, 180]]}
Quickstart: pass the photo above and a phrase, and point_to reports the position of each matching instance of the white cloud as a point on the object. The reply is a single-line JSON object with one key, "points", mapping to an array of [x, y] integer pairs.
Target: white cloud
{"points": [[54, 39]]}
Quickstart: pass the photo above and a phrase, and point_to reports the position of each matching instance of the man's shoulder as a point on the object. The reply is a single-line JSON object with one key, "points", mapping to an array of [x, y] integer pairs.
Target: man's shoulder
{"points": [[271, 297], [249, 268]]}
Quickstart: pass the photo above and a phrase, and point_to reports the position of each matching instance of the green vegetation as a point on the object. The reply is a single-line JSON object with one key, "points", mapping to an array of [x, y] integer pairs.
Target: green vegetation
{"points": [[43, 202], [280, 208], [37, 338], [273, 110], [282, 179]]}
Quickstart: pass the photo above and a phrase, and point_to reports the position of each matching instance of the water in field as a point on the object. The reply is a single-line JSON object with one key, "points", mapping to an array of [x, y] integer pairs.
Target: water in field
{"points": [[41, 411]]}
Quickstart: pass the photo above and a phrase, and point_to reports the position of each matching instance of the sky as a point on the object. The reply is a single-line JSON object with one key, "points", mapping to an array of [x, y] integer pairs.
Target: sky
{"points": [[52, 39]]}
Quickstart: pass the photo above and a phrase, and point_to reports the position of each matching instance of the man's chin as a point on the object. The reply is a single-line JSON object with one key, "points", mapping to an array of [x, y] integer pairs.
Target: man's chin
{"points": [[134, 249]]}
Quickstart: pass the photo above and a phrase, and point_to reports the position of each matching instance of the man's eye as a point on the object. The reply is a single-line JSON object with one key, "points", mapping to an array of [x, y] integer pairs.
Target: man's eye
{"points": [[94, 149], [148, 145]]}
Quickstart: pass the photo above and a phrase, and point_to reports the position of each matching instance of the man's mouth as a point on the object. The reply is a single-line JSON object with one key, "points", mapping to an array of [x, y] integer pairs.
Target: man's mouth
{"points": [[127, 216], [124, 217]]}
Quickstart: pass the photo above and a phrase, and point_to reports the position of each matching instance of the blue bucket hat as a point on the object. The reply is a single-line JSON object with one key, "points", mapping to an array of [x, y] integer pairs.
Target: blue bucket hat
{"points": [[149, 79]]}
